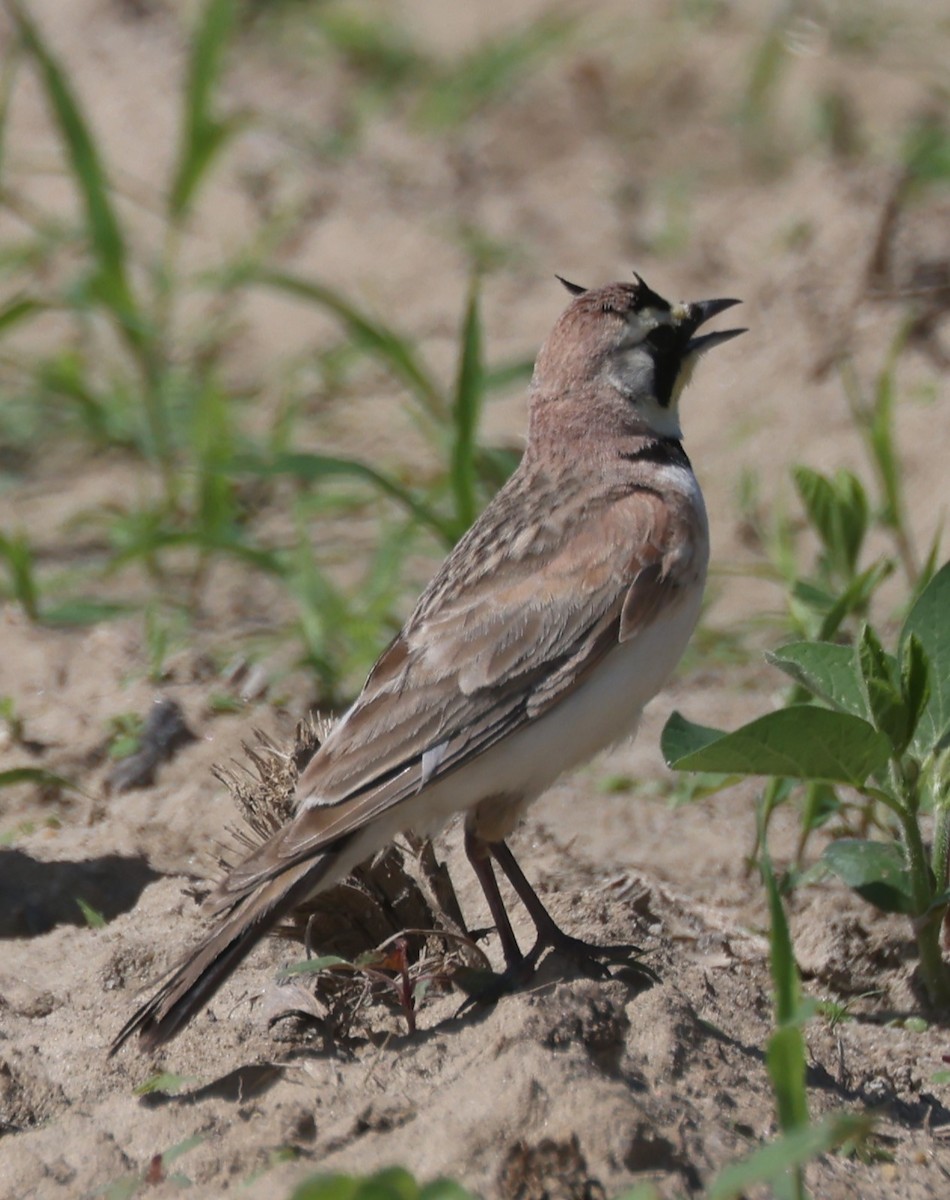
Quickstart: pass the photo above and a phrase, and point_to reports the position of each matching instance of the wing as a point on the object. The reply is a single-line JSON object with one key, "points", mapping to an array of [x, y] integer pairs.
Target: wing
{"points": [[495, 642]]}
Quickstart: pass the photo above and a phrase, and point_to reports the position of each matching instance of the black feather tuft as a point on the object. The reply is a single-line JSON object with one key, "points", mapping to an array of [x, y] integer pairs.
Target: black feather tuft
{"points": [[574, 288], [647, 297]]}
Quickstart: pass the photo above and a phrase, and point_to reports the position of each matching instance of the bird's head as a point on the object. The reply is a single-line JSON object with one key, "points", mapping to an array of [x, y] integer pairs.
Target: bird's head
{"points": [[626, 341]]}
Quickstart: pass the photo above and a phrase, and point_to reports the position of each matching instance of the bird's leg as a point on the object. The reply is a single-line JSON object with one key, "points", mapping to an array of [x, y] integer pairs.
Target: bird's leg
{"points": [[479, 855], [550, 935]]}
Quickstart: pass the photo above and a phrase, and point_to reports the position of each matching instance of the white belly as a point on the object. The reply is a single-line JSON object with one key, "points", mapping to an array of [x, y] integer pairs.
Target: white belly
{"points": [[603, 710]]}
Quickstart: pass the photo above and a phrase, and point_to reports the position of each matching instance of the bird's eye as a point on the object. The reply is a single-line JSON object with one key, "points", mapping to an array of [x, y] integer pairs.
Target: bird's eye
{"points": [[662, 338]]}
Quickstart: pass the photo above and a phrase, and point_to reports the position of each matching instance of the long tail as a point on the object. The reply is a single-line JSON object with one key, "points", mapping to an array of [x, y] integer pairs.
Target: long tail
{"points": [[192, 984]]}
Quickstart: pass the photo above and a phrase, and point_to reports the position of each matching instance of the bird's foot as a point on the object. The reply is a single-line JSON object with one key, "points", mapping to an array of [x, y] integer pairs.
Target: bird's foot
{"points": [[486, 988], [590, 958]]}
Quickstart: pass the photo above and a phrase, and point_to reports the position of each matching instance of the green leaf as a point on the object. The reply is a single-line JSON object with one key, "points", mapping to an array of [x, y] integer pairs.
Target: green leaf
{"points": [[181, 1148], [165, 1081], [83, 610], [875, 870], [312, 467], [202, 135], [18, 309], [855, 597], [915, 680], [799, 742], [390, 348], [826, 669], [854, 510], [785, 1060], [111, 284], [795, 1149], [466, 408], [838, 510], [93, 918], [929, 619], [444, 1189], [312, 966], [880, 439], [34, 775], [393, 1183], [781, 954], [818, 499], [681, 737], [886, 704]]}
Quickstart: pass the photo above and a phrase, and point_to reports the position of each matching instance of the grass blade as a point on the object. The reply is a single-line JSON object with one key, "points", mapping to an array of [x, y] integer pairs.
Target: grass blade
{"points": [[202, 134], [381, 341], [102, 223], [18, 309], [7, 76], [318, 466], [794, 1150], [465, 414], [17, 554]]}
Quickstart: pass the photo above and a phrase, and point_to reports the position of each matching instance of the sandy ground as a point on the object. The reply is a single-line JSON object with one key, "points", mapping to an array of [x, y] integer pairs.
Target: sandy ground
{"points": [[621, 150]]}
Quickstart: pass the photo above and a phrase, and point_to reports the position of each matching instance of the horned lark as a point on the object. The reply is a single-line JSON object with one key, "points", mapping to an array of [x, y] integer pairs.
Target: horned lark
{"points": [[557, 617]]}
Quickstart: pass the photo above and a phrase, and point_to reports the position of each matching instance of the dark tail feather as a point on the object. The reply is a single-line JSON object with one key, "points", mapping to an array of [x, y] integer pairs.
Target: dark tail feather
{"points": [[192, 984]]}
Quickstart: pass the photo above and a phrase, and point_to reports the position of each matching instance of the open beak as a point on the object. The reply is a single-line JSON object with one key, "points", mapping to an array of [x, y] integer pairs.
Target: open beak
{"points": [[699, 312]]}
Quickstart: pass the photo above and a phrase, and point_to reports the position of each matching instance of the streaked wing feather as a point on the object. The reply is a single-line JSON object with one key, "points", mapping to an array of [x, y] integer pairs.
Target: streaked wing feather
{"points": [[489, 658]]}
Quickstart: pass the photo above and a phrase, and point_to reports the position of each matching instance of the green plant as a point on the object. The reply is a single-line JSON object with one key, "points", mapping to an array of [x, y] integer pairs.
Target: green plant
{"points": [[448, 417], [785, 1052], [394, 1183], [137, 377], [828, 597], [384, 65], [156, 1172], [881, 728]]}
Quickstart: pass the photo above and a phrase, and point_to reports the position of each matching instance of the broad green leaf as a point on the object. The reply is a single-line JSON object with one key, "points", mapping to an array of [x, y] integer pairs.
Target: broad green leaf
{"points": [[826, 669], [886, 704], [818, 499], [799, 742], [444, 1189], [795, 1149], [393, 1183], [681, 737], [325, 1187], [929, 619], [854, 511], [838, 510], [875, 870]]}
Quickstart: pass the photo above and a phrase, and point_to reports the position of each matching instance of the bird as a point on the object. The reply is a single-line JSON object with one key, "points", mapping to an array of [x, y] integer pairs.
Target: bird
{"points": [[555, 619]]}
